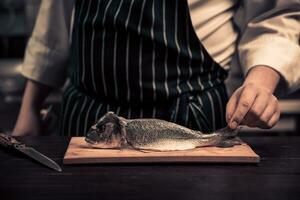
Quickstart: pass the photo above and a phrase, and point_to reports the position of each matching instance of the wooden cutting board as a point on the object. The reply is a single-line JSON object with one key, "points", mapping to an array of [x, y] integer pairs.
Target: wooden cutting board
{"points": [[79, 152]]}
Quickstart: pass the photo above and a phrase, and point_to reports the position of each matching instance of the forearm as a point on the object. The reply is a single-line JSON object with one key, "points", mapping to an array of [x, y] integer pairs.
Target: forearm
{"points": [[34, 95], [28, 122]]}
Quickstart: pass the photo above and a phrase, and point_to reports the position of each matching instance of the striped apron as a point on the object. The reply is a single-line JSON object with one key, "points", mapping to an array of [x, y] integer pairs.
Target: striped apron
{"points": [[140, 59]]}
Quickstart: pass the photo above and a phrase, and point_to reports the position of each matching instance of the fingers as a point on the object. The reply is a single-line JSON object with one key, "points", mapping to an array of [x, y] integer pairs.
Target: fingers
{"points": [[269, 111], [252, 106], [270, 116], [231, 105], [261, 103], [272, 122], [245, 102]]}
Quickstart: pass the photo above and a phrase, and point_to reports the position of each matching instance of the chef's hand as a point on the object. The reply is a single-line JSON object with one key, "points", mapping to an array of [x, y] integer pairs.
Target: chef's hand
{"points": [[29, 122], [253, 104]]}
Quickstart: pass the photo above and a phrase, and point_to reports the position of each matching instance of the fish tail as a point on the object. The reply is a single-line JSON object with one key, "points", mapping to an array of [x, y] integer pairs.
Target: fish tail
{"points": [[228, 137], [228, 132]]}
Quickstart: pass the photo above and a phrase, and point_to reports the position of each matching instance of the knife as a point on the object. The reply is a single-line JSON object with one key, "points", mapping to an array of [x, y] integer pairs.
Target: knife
{"points": [[11, 143]]}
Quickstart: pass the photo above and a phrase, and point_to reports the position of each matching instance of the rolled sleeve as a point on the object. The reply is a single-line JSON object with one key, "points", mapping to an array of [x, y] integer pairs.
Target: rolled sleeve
{"points": [[270, 37], [47, 51]]}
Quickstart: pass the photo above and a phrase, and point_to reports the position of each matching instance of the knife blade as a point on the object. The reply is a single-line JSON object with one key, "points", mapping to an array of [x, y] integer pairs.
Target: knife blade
{"points": [[10, 142]]}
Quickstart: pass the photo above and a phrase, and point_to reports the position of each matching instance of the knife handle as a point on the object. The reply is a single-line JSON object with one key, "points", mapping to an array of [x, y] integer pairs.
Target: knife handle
{"points": [[8, 141]]}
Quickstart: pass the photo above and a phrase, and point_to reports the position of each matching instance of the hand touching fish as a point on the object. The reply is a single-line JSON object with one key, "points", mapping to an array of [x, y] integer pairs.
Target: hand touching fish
{"points": [[112, 131]]}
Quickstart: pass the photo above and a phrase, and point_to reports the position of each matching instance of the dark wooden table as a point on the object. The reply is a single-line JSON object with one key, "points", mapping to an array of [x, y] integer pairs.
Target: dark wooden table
{"points": [[277, 176]]}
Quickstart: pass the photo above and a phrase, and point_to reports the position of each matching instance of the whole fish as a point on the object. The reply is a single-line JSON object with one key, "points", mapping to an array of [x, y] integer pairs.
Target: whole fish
{"points": [[112, 131]]}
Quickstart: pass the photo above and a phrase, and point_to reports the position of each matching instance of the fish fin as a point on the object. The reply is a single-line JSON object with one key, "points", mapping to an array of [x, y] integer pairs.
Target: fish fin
{"points": [[137, 149], [144, 151], [230, 142], [140, 150]]}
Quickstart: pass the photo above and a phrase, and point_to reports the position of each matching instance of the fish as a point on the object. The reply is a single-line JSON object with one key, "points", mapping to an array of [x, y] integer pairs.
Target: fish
{"points": [[114, 132]]}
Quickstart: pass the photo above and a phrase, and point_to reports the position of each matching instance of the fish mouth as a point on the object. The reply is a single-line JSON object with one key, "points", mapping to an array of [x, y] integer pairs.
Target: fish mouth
{"points": [[114, 143], [89, 141]]}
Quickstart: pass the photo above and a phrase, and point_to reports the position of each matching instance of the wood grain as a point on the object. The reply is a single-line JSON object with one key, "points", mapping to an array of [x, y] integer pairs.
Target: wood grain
{"points": [[79, 152]]}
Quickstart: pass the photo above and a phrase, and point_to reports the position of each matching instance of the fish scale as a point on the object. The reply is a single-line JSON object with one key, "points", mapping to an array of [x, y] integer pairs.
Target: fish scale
{"points": [[154, 134], [161, 135]]}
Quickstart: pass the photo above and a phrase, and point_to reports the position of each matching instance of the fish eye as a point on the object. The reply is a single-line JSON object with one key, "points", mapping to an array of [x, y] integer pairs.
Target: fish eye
{"points": [[97, 129], [100, 128]]}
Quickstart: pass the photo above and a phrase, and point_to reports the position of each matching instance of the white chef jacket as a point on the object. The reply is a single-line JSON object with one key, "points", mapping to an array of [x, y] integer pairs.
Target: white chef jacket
{"points": [[236, 33]]}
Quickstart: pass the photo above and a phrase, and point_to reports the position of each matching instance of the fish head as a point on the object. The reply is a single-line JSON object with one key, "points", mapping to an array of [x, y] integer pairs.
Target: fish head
{"points": [[106, 133]]}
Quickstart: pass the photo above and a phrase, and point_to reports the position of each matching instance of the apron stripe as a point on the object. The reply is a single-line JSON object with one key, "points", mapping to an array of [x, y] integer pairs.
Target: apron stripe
{"points": [[221, 107], [141, 112], [127, 51], [196, 118], [166, 50], [78, 131], [209, 80], [178, 52], [199, 83], [102, 62], [115, 51], [103, 49], [202, 59], [200, 100], [154, 112], [201, 69], [83, 46], [114, 65], [77, 32], [209, 76], [70, 131], [203, 117], [189, 52], [141, 17], [86, 121], [153, 56], [117, 13], [140, 54], [129, 13], [67, 93], [129, 113], [92, 48], [66, 108], [224, 99], [176, 110], [212, 110], [153, 73], [97, 116], [127, 67], [140, 70], [187, 116], [118, 110]]}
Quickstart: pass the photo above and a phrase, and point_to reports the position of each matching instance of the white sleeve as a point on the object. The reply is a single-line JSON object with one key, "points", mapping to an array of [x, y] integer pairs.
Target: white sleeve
{"points": [[270, 36], [47, 50]]}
